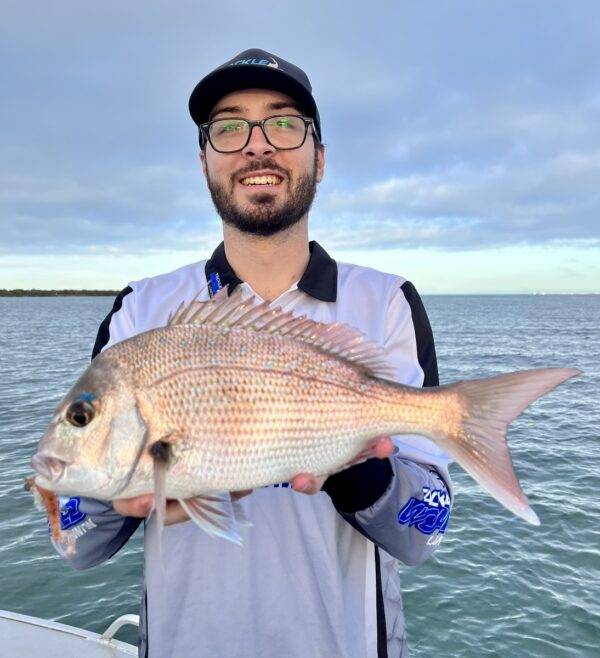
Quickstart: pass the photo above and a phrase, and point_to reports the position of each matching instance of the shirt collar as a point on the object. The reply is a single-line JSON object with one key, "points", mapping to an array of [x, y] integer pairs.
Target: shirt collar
{"points": [[319, 279]]}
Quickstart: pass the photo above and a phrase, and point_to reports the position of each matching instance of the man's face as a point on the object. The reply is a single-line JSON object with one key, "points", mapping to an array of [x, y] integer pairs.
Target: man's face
{"points": [[249, 205]]}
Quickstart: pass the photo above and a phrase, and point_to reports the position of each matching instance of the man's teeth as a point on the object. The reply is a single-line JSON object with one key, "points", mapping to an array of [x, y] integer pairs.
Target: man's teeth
{"points": [[261, 180]]}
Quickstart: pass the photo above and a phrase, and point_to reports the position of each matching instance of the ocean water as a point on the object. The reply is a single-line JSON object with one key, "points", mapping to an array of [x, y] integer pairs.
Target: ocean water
{"points": [[495, 587]]}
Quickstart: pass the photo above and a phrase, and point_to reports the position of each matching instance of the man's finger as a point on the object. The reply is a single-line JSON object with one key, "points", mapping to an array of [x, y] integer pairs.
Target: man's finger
{"points": [[138, 506], [141, 506], [307, 483], [175, 513], [379, 448], [383, 448]]}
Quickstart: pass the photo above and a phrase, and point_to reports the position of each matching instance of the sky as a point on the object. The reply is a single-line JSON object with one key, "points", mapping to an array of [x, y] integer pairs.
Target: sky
{"points": [[462, 137]]}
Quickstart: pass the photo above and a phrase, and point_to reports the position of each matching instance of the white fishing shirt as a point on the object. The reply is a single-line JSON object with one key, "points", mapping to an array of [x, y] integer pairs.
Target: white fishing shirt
{"points": [[309, 580]]}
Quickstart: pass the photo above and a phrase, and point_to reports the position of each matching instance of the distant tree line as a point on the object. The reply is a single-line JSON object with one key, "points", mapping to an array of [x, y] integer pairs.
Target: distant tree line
{"points": [[34, 292]]}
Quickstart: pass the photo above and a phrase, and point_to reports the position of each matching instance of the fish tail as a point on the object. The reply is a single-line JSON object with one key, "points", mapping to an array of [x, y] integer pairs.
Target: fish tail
{"points": [[480, 445]]}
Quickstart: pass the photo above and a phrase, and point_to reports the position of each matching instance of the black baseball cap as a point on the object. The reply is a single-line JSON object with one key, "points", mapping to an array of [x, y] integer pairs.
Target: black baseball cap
{"points": [[253, 68]]}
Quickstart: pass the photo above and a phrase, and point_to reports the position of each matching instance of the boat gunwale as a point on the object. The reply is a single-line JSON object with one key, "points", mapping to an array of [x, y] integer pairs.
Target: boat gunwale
{"points": [[82, 633]]}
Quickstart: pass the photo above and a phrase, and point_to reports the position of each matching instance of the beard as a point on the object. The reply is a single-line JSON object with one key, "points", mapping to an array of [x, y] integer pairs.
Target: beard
{"points": [[263, 217]]}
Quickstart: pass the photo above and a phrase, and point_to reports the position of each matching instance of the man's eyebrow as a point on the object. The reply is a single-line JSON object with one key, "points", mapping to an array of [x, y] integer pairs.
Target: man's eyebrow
{"points": [[239, 110], [282, 105], [230, 109]]}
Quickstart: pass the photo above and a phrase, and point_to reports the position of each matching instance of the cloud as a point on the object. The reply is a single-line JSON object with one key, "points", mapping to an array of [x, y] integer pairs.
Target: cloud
{"points": [[465, 206], [145, 208], [452, 125]]}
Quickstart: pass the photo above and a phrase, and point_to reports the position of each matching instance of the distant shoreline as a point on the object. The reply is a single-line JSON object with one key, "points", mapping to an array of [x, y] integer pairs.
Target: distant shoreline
{"points": [[34, 292], [19, 292]]}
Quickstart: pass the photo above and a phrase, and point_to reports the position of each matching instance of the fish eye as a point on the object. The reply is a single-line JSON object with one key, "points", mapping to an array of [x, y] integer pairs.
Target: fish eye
{"points": [[80, 413]]}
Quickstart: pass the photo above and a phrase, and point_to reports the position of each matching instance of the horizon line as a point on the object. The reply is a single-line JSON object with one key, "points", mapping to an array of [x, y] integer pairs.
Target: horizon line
{"points": [[103, 292]]}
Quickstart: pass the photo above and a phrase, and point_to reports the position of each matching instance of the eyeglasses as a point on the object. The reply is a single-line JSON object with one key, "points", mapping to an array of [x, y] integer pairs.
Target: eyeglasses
{"points": [[283, 132]]}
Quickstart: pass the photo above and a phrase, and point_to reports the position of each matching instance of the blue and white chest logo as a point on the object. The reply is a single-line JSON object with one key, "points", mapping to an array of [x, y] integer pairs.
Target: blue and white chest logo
{"points": [[428, 514], [70, 514]]}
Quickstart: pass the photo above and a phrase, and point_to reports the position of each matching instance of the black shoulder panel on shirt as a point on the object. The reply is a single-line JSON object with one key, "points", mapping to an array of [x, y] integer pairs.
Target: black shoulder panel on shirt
{"points": [[103, 331], [424, 335]]}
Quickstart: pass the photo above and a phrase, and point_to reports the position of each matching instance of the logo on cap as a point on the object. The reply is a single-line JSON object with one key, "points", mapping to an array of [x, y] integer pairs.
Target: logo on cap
{"points": [[257, 62]]}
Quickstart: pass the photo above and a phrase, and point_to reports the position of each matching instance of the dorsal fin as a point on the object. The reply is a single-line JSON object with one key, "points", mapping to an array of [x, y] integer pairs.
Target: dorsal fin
{"points": [[337, 339]]}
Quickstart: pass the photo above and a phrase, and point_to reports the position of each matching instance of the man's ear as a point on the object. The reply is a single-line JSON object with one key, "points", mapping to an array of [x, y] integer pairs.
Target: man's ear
{"points": [[320, 162], [203, 162]]}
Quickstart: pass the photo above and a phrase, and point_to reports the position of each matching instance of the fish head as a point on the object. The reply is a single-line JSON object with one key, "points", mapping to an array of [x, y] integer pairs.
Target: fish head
{"points": [[95, 438]]}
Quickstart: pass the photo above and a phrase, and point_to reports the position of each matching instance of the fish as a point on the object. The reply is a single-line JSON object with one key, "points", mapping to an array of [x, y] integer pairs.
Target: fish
{"points": [[234, 394]]}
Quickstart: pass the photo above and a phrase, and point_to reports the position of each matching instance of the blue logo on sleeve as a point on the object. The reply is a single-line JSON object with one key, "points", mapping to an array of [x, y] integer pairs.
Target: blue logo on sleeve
{"points": [[70, 514], [429, 514]]}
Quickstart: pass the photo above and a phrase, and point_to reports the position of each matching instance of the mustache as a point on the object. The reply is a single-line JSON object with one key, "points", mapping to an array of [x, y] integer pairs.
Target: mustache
{"points": [[257, 165]]}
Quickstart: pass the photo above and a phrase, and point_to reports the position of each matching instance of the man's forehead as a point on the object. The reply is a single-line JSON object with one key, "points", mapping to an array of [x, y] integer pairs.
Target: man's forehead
{"points": [[251, 99]]}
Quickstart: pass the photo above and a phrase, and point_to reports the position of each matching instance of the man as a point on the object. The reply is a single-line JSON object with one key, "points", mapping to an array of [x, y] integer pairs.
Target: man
{"points": [[317, 574]]}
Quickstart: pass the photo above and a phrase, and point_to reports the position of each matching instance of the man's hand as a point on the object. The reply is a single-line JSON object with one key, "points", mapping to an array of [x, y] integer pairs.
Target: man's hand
{"points": [[140, 506]]}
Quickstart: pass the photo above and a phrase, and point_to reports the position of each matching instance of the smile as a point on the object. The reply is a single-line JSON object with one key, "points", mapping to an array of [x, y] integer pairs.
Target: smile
{"points": [[261, 180]]}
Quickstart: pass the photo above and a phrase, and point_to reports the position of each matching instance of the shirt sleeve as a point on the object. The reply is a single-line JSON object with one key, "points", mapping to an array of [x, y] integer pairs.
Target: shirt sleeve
{"points": [[99, 532], [403, 503]]}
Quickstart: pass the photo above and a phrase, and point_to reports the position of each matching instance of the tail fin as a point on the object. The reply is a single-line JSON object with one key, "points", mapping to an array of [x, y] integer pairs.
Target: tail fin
{"points": [[481, 448]]}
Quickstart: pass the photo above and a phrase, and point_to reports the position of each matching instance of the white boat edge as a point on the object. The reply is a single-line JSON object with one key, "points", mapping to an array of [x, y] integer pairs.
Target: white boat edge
{"points": [[104, 641]]}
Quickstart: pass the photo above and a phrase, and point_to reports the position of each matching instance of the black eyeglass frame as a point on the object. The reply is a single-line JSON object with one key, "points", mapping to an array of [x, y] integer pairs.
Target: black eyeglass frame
{"points": [[205, 127]]}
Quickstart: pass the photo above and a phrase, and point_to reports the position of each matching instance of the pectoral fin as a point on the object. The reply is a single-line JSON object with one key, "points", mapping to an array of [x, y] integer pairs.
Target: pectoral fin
{"points": [[162, 455], [216, 515]]}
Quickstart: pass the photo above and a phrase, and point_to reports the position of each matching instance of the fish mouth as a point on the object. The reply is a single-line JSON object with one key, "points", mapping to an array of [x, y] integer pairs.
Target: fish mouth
{"points": [[50, 468]]}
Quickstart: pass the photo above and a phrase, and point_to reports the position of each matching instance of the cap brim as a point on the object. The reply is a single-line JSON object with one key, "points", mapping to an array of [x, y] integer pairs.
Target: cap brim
{"points": [[224, 81]]}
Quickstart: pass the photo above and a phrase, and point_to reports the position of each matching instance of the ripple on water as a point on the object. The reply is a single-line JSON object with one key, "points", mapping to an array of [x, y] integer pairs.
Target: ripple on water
{"points": [[495, 587]]}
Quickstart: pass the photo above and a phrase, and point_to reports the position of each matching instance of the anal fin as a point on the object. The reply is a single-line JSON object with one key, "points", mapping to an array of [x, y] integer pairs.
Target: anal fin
{"points": [[240, 514], [216, 515]]}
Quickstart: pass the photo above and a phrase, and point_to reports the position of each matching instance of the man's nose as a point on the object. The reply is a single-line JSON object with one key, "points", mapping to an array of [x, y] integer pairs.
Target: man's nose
{"points": [[257, 144]]}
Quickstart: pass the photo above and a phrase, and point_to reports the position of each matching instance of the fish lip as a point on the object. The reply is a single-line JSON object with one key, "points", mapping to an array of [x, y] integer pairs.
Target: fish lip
{"points": [[49, 467]]}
